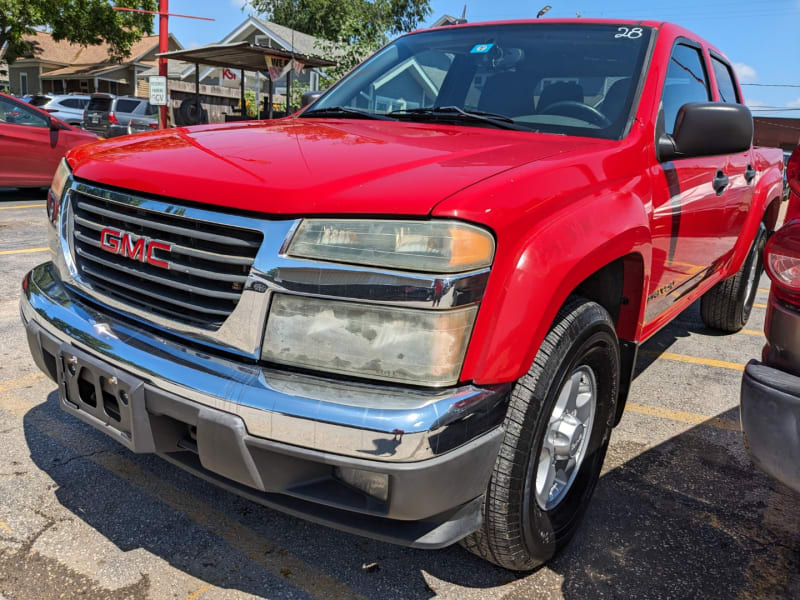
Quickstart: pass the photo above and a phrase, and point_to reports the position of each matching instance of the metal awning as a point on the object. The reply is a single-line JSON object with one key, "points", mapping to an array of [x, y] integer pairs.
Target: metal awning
{"points": [[242, 55]]}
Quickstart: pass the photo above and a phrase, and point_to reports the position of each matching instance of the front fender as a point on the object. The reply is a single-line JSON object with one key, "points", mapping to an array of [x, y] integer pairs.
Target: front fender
{"points": [[533, 280], [769, 187]]}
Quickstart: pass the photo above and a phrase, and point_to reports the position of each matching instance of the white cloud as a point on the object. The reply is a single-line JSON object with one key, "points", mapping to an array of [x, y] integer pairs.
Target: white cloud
{"points": [[794, 103], [746, 73], [239, 3]]}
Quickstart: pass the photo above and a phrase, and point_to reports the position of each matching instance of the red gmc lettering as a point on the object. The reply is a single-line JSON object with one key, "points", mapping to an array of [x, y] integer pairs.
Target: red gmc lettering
{"points": [[131, 249], [109, 240], [129, 246], [152, 259]]}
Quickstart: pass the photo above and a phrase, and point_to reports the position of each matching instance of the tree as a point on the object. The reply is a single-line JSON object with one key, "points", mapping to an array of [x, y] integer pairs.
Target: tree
{"points": [[84, 22], [351, 29]]}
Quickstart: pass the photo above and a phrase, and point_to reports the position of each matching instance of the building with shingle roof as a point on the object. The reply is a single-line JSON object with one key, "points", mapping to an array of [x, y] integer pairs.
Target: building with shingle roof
{"points": [[59, 67]]}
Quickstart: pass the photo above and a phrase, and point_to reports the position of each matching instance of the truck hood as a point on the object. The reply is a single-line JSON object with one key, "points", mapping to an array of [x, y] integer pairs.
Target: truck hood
{"points": [[314, 166]]}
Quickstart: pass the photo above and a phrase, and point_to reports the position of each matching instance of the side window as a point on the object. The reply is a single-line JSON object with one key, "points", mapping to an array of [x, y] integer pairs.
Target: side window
{"points": [[12, 113], [127, 106], [150, 110], [71, 103], [725, 81], [686, 82]]}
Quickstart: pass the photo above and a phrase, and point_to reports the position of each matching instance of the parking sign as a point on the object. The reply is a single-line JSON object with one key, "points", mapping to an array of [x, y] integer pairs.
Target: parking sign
{"points": [[158, 90]]}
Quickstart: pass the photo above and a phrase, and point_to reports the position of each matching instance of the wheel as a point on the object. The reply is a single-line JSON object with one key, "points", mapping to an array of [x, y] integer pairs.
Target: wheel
{"points": [[557, 429], [728, 304]]}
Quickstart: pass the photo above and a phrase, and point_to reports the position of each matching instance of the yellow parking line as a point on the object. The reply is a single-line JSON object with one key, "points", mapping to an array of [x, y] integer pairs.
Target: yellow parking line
{"points": [[202, 590], [22, 206], [759, 306], [752, 332], [695, 360], [682, 416], [9, 385], [23, 251], [763, 290]]}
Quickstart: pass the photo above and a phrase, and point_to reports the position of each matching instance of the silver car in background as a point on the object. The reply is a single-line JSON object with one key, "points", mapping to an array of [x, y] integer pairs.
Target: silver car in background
{"points": [[67, 107]]}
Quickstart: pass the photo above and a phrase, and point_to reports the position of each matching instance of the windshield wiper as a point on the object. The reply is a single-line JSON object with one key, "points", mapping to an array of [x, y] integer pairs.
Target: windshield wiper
{"points": [[345, 111], [456, 113]]}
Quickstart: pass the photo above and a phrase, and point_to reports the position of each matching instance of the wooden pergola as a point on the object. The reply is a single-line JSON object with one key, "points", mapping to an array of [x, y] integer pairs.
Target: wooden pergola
{"points": [[244, 56]]}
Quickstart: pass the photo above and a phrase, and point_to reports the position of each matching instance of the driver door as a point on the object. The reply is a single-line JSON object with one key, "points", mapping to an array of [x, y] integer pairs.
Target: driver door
{"points": [[689, 204]]}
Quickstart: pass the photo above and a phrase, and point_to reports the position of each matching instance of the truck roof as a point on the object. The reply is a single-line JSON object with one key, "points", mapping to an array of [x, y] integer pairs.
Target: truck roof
{"points": [[671, 29]]}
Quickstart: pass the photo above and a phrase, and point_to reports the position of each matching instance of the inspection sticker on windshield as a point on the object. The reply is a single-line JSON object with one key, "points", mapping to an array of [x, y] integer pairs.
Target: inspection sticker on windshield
{"points": [[481, 48]]}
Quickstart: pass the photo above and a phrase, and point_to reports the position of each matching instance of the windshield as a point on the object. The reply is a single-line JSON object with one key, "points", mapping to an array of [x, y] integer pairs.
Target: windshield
{"points": [[100, 103], [571, 79], [40, 100]]}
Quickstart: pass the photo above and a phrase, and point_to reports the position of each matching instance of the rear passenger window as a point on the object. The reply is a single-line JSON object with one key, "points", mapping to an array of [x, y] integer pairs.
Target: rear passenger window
{"points": [[127, 106], [72, 103], [725, 81], [686, 82], [150, 109]]}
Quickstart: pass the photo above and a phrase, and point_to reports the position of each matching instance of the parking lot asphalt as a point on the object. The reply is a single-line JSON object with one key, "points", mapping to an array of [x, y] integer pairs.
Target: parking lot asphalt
{"points": [[680, 512]]}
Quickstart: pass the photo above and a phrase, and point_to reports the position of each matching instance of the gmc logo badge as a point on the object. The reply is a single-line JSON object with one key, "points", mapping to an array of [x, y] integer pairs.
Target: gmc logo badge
{"points": [[129, 246]]}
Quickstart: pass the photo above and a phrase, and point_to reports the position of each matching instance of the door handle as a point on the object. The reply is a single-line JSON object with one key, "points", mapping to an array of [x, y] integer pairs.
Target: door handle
{"points": [[720, 182], [749, 173]]}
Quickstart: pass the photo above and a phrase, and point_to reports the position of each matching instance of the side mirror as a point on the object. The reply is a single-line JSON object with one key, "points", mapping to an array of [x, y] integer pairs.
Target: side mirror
{"points": [[793, 172], [708, 129], [309, 97]]}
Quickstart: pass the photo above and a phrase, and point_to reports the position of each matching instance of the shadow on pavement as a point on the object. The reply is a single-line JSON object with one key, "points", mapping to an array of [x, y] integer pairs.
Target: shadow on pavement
{"points": [[690, 517]]}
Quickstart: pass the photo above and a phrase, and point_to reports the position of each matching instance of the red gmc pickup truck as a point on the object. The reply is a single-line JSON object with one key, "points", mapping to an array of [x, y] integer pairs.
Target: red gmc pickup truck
{"points": [[411, 311]]}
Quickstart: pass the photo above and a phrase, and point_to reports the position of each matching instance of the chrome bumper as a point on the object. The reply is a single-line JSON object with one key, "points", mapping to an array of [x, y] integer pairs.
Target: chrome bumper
{"points": [[374, 422]]}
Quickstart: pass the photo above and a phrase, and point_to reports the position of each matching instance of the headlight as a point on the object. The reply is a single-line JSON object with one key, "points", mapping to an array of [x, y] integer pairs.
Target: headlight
{"points": [[428, 246], [56, 194], [421, 347]]}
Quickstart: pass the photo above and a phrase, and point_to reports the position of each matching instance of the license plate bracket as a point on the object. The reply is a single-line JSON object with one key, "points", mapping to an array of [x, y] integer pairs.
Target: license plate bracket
{"points": [[101, 395]]}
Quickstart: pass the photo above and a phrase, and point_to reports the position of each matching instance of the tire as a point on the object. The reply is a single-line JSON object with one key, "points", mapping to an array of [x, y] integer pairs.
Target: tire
{"points": [[192, 113], [728, 304], [517, 532]]}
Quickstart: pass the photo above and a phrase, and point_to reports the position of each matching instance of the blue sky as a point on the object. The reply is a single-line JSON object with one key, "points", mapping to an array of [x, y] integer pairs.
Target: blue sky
{"points": [[762, 37]]}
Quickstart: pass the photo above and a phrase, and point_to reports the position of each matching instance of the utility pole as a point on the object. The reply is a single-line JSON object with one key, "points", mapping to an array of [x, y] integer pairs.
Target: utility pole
{"points": [[163, 44]]}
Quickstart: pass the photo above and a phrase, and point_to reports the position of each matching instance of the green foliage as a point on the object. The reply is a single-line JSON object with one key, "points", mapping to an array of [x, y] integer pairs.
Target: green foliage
{"points": [[85, 22], [351, 30], [298, 89], [250, 102]]}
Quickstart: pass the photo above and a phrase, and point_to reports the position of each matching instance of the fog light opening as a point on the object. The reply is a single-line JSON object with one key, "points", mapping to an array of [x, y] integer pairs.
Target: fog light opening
{"points": [[371, 483]]}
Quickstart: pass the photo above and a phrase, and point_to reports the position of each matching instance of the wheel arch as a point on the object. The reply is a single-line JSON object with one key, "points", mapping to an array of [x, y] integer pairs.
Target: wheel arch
{"points": [[763, 210], [612, 273]]}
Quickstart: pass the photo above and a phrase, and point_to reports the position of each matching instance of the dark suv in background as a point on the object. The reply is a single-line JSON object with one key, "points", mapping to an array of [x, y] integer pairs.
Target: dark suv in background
{"points": [[110, 116]]}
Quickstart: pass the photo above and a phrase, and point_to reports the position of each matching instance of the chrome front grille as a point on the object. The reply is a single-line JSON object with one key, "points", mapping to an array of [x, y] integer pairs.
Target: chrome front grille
{"points": [[209, 262]]}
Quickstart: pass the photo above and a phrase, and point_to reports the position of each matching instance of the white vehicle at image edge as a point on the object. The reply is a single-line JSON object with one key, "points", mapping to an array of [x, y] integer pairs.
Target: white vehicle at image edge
{"points": [[67, 107]]}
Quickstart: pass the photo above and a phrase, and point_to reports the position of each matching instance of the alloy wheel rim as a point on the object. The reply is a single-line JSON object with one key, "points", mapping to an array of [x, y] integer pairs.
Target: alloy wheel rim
{"points": [[566, 438]]}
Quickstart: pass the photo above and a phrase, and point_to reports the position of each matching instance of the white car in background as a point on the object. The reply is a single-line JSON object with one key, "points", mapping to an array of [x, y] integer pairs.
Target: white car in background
{"points": [[67, 107]]}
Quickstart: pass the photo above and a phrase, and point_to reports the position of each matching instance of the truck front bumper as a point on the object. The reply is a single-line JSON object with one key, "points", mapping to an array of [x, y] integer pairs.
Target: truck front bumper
{"points": [[397, 464], [770, 413]]}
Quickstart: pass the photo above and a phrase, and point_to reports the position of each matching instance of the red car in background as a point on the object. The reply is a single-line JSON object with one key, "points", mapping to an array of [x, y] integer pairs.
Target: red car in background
{"points": [[32, 142]]}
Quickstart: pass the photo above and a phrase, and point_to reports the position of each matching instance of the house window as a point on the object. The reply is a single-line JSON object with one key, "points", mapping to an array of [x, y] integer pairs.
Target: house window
{"points": [[84, 85], [23, 84]]}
